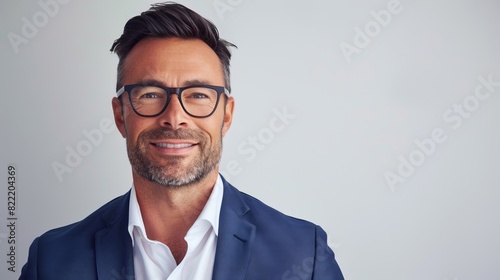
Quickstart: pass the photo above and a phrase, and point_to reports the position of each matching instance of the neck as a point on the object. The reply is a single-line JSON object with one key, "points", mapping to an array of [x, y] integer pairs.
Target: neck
{"points": [[169, 212], [175, 202]]}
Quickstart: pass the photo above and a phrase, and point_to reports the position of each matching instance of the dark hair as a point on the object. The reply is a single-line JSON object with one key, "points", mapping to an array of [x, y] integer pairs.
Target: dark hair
{"points": [[165, 20]]}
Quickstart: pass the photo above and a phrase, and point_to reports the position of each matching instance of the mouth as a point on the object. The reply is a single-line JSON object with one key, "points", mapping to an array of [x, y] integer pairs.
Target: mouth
{"points": [[173, 145]]}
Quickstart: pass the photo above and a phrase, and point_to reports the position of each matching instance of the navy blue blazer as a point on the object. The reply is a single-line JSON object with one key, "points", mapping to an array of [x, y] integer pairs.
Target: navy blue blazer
{"points": [[255, 242]]}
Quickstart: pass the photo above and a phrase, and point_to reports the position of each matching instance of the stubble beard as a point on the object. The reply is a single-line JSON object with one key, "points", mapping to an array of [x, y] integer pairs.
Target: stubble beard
{"points": [[175, 173]]}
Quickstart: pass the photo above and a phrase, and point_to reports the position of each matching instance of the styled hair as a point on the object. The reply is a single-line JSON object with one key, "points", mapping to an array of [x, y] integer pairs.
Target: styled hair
{"points": [[166, 20]]}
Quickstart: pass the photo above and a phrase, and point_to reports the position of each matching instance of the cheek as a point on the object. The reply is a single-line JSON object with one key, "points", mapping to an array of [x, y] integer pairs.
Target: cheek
{"points": [[133, 126], [213, 127]]}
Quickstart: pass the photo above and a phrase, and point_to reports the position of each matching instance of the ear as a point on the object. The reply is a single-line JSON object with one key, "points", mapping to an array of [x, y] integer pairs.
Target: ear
{"points": [[228, 115], [118, 115]]}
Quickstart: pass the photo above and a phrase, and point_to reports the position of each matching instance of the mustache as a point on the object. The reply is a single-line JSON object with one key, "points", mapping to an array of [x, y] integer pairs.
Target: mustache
{"points": [[163, 133]]}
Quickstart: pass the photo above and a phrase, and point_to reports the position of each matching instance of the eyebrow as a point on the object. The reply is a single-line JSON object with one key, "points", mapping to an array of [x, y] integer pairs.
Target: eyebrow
{"points": [[153, 82]]}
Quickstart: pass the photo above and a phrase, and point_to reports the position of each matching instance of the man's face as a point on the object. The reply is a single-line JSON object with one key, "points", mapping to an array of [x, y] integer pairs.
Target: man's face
{"points": [[173, 149]]}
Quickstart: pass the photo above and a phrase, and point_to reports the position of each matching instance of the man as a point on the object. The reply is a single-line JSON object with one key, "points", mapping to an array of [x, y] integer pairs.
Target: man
{"points": [[181, 219]]}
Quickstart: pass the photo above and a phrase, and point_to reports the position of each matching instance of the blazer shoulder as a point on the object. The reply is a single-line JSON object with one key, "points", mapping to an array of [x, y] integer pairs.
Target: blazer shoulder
{"points": [[287, 242], [70, 251], [267, 217], [106, 215]]}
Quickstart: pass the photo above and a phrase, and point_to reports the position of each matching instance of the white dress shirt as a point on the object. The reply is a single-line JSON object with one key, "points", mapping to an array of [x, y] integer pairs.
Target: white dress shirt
{"points": [[153, 260]]}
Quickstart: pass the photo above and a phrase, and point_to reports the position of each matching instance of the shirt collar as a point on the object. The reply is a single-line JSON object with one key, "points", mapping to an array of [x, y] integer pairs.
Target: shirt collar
{"points": [[210, 212]]}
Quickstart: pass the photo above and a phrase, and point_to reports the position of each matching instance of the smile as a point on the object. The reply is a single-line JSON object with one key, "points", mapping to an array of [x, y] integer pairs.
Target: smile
{"points": [[173, 146]]}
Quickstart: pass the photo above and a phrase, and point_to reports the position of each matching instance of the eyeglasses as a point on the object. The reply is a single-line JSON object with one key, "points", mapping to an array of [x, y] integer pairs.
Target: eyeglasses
{"points": [[198, 101]]}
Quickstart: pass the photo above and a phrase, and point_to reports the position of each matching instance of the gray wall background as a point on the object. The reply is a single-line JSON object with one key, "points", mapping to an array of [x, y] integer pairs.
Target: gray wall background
{"points": [[331, 98]]}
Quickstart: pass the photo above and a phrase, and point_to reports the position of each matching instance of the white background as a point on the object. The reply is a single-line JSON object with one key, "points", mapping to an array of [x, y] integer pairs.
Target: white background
{"points": [[352, 123]]}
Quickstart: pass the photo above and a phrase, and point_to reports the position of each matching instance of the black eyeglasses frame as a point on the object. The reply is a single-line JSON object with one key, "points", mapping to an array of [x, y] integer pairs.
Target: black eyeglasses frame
{"points": [[128, 88]]}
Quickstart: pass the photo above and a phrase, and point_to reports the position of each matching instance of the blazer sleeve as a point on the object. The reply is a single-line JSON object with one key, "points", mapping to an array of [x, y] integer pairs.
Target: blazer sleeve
{"points": [[325, 265], [29, 271]]}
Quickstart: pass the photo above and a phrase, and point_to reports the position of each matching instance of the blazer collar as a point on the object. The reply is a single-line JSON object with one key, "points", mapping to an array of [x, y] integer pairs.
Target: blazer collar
{"points": [[236, 236], [114, 254]]}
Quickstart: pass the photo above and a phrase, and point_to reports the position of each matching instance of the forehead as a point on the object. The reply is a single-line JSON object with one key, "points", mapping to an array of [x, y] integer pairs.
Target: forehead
{"points": [[172, 61]]}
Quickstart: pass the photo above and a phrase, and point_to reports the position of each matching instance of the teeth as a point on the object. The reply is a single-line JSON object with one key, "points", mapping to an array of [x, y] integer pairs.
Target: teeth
{"points": [[173, 146]]}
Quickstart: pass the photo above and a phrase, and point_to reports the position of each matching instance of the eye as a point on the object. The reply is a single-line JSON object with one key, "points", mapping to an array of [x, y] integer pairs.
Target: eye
{"points": [[149, 95], [198, 95]]}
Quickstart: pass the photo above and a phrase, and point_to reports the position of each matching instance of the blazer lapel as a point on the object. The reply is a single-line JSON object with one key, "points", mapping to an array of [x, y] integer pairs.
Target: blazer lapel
{"points": [[114, 255], [235, 238]]}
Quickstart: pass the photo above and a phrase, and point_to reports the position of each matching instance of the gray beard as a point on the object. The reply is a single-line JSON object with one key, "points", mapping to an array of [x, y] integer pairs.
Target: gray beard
{"points": [[174, 175]]}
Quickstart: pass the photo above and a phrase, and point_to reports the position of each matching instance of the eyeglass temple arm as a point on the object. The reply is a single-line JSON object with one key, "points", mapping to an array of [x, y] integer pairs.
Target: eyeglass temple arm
{"points": [[120, 92]]}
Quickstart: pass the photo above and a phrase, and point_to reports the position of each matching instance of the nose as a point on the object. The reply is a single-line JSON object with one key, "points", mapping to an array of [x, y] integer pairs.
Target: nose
{"points": [[174, 116]]}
